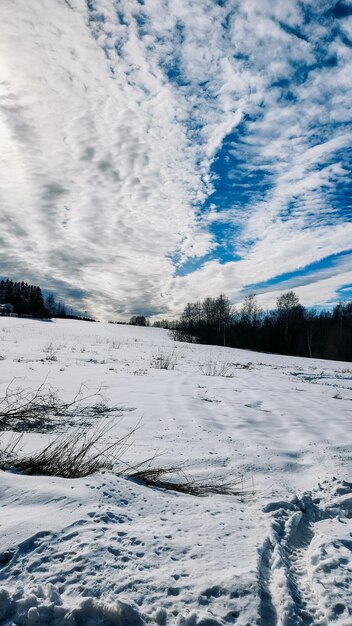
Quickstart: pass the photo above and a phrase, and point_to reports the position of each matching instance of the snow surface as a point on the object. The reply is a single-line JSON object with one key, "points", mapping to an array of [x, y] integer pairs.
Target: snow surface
{"points": [[106, 550]]}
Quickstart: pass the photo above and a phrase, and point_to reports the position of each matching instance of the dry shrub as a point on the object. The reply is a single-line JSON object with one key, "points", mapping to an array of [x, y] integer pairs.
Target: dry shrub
{"points": [[175, 479], [77, 454], [164, 360], [49, 350], [217, 368], [243, 366], [41, 409], [73, 455]]}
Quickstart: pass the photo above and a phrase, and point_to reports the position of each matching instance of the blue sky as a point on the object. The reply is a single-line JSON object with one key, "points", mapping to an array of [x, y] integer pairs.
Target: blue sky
{"points": [[162, 151]]}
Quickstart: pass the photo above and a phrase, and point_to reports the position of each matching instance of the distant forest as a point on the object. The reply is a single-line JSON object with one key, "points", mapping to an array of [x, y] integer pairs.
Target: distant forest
{"points": [[28, 300], [288, 329]]}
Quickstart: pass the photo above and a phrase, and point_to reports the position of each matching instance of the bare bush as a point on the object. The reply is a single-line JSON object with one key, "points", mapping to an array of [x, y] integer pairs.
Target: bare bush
{"points": [[217, 368], [78, 454], [41, 409], [49, 350], [164, 360], [175, 479], [181, 335], [243, 366], [206, 398], [74, 455]]}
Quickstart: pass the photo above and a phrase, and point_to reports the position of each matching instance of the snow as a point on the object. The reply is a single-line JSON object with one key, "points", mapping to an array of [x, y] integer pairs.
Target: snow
{"points": [[106, 550]]}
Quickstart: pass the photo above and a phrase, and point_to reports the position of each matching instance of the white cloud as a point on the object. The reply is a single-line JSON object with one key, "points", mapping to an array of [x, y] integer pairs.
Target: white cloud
{"points": [[102, 178], [110, 118], [316, 293]]}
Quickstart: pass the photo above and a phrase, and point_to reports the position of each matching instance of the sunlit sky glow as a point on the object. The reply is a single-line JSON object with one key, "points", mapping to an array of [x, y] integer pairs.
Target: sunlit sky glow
{"points": [[156, 152]]}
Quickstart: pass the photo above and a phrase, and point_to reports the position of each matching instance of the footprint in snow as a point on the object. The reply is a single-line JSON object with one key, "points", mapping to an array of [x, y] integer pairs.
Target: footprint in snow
{"points": [[295, 562]]}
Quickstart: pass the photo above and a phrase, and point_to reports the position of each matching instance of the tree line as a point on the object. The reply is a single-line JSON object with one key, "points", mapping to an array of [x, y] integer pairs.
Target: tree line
{"points": [[290, 328], [28, 300]]}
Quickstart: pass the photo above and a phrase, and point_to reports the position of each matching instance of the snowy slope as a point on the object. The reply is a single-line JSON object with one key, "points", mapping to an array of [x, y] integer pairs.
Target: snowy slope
{"points": [[105, 550]]}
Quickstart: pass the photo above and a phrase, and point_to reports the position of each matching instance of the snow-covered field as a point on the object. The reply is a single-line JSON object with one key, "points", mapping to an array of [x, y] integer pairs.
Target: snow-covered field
{"points": [[110, 551]]}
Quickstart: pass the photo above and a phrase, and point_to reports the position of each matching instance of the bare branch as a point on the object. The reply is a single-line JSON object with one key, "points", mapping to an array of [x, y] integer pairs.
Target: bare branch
{"points": [[41, 409]]}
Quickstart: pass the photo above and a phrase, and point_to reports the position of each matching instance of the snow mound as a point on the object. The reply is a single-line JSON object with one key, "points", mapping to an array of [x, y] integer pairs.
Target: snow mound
{"points": [[42, 606]]}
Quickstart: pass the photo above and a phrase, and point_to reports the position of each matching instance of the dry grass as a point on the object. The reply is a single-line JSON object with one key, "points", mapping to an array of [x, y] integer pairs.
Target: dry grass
{"points": [[50, 352], [164, 360], [78, 454], [243, 366], [42, 409], [175, 479], [73, 455], [217, 368]]}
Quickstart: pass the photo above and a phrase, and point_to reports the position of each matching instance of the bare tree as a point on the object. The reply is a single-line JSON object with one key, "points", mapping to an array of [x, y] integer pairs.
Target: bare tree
{"points": [[250, 310]]}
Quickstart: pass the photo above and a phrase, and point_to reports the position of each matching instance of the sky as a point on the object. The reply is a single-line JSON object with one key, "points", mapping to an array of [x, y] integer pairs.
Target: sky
{"points": [[156, 152]]}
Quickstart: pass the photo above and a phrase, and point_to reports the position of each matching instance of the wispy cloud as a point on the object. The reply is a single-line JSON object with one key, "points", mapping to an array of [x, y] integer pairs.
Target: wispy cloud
{"points": [[114, 116]]}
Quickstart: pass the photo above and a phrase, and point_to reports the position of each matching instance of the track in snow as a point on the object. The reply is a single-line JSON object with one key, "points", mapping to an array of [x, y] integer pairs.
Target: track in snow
{"points": [[289, 571]]}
